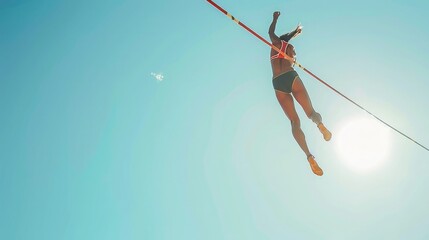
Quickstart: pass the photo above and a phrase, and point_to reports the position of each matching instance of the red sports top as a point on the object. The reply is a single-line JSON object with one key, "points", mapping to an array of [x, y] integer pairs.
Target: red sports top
{"points": [[283, 49]]}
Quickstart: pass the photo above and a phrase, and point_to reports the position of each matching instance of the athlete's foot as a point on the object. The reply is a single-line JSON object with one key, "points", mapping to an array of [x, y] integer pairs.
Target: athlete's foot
{"points": [[314, 166], [326, 133]]}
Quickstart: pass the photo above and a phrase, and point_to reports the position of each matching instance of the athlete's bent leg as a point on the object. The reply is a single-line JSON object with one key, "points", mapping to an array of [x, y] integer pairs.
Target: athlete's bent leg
{"points": [[301, 95]]}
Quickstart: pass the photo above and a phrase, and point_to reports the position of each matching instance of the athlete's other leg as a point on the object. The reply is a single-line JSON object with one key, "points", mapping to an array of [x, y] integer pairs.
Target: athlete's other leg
{"points": [[301, 95], [288, 106]]}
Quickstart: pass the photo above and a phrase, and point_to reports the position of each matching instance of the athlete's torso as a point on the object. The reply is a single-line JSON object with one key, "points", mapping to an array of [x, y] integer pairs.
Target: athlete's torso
{"points": [[279, 64]]}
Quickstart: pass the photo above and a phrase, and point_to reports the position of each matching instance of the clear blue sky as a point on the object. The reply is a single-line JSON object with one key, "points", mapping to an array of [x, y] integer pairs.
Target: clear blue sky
{"points": [[93, 146]]}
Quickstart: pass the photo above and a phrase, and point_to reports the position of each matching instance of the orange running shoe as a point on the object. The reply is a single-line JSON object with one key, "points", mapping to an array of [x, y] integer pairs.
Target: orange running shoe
{"points": [[314, 166], [326, 133]]}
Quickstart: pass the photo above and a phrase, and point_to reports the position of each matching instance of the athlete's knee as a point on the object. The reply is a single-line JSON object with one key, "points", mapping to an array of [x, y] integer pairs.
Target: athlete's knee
{"points": [[315, 117], [297, 132], [295, 123]]}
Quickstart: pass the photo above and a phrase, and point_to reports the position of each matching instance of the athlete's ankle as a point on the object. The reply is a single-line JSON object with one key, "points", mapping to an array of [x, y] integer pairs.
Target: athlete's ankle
{"points": [[315, 117]]}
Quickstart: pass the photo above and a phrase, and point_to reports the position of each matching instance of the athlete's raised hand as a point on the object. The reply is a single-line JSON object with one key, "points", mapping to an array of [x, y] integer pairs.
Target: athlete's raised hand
{"points": [[276, 14], [298, 29]]}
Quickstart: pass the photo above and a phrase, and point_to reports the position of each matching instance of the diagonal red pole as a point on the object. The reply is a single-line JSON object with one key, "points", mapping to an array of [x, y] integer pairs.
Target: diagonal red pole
{"points": [[306, 70], [248, 29]]}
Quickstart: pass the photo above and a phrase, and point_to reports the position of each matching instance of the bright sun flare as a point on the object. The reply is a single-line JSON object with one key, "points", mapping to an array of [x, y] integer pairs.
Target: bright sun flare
{"points": [[363, 144]]}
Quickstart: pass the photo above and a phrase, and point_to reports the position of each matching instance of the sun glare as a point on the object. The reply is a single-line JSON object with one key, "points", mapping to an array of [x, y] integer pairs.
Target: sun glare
{"points": [[363, 144]]}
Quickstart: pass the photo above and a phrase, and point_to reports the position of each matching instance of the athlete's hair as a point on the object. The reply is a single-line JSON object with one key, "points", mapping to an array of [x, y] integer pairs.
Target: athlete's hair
{"points": [[286, 37]]}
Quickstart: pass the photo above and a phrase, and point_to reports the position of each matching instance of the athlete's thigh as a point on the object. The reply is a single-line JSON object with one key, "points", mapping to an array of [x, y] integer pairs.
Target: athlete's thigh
{"points": [[288, 106], [301, 95]]}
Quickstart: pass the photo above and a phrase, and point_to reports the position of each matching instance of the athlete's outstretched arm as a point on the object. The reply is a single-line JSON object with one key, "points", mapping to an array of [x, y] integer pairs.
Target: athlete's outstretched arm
{"points": [[274, 38]]}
